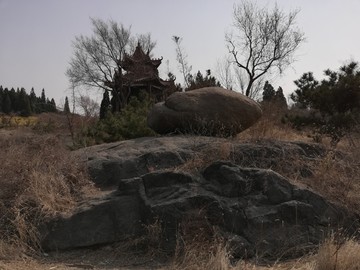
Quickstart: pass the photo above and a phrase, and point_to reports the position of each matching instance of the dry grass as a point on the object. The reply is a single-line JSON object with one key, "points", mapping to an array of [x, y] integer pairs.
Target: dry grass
{"points": [[332, 255], [17, 121], [270, 126], [39, 178], [338, 255], [207, 155]]}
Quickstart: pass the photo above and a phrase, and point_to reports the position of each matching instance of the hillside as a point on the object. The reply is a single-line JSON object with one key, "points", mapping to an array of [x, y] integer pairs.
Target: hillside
{"points": [[42, 179]]}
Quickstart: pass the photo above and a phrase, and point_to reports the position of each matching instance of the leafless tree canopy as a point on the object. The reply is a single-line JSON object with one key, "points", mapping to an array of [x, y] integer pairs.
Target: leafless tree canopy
{"points": [[96, 62], [264, 40], [147, 44], [233, 78], [89, 106], [181, 58], [96, 58]]}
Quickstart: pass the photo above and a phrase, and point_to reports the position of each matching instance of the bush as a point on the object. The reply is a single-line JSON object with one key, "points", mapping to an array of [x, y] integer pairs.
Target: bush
{"points": [[336, 98], [130, 123], [334, 126]]}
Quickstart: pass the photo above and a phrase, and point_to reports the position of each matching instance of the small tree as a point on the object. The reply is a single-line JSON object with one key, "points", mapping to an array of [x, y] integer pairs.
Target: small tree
{"points": [[105, 105], [24, 103], [33, 100], [269, 92], [265, 39], [279, 98], [181, 57], [66, 106], [89, 106], [306, 87], [43, 97], [199, 81], [6, 102]]}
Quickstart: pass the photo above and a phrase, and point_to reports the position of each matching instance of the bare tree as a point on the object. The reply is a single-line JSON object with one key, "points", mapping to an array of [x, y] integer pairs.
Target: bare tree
{"points": [[224, 73], [265, 40], [181, 57], [96, 62], [89, 106], [235, 79], [147, 44]]}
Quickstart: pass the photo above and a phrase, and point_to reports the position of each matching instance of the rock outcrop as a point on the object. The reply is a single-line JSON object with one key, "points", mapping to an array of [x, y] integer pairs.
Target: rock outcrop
{"points": [[210, 111], [257, 210], [110, 163]]}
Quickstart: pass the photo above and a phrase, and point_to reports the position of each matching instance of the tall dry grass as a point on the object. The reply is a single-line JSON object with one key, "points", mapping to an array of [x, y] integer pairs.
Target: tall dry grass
{"points": [[39, 178], [271, 126], [343, 254]]}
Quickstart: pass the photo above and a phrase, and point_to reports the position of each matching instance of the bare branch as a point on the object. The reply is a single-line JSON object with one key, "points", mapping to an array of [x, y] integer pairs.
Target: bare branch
{"points": [[266, 39], [97, 60], [181, 57]]}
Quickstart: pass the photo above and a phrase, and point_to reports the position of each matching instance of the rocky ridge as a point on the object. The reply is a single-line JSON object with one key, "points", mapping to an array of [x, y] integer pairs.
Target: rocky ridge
{"points": [[229, 189]]}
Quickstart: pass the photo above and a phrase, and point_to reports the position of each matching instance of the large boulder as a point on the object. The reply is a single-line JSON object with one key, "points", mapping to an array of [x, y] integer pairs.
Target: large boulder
{"points": [[211, 111]]}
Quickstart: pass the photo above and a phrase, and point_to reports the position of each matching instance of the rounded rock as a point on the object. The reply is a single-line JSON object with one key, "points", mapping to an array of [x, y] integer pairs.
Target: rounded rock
{"points": [[209, 111]]}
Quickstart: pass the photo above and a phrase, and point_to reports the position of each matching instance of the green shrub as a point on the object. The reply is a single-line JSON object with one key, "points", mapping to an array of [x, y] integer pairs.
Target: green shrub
{"points": [[130, 123]]}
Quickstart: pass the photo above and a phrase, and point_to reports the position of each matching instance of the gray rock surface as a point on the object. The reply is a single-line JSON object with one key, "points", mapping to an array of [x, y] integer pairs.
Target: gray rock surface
{"points": [[210, 111], [255, 208], [108, 164]]}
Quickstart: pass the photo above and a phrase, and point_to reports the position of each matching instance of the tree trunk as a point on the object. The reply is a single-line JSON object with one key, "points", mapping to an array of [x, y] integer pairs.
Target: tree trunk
{"points": [[248, 88]]}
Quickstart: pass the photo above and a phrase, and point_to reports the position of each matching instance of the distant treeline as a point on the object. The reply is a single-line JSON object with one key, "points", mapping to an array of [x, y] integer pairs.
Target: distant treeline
{"points": [[19, 102]]}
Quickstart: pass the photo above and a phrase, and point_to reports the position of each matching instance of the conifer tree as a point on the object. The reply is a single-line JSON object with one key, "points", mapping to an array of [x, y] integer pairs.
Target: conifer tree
{"points": [[105, 105], [66, 105], [43, 97], [269, 92], [53, 105], [33, 100], [24, 103], [280, 98], [7, 103], [13, 98]]}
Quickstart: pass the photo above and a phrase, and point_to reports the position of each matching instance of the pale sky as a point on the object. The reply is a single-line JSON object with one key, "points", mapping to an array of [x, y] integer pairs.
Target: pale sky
{"points": [[36, 35]]}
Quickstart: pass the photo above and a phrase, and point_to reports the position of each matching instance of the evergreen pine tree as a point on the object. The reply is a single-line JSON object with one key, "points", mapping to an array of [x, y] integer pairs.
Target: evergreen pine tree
{"points": [[43, 97], [24, 103], [280, 98], [66, 105], [7, 102], [53, 105], [13, 100], [33, 101], [105, 105], [269, 92]]}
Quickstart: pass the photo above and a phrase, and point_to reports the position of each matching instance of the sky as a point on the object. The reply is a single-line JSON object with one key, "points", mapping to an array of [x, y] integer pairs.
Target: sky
{"points": [[36, 36]]}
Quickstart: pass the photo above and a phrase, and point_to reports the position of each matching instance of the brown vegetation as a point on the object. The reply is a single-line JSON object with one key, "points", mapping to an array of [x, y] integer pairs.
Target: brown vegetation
{"points": [[40, 178]]}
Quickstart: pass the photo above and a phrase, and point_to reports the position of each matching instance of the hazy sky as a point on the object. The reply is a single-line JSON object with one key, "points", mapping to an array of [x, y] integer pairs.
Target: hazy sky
{"points": [[36, 35]]}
